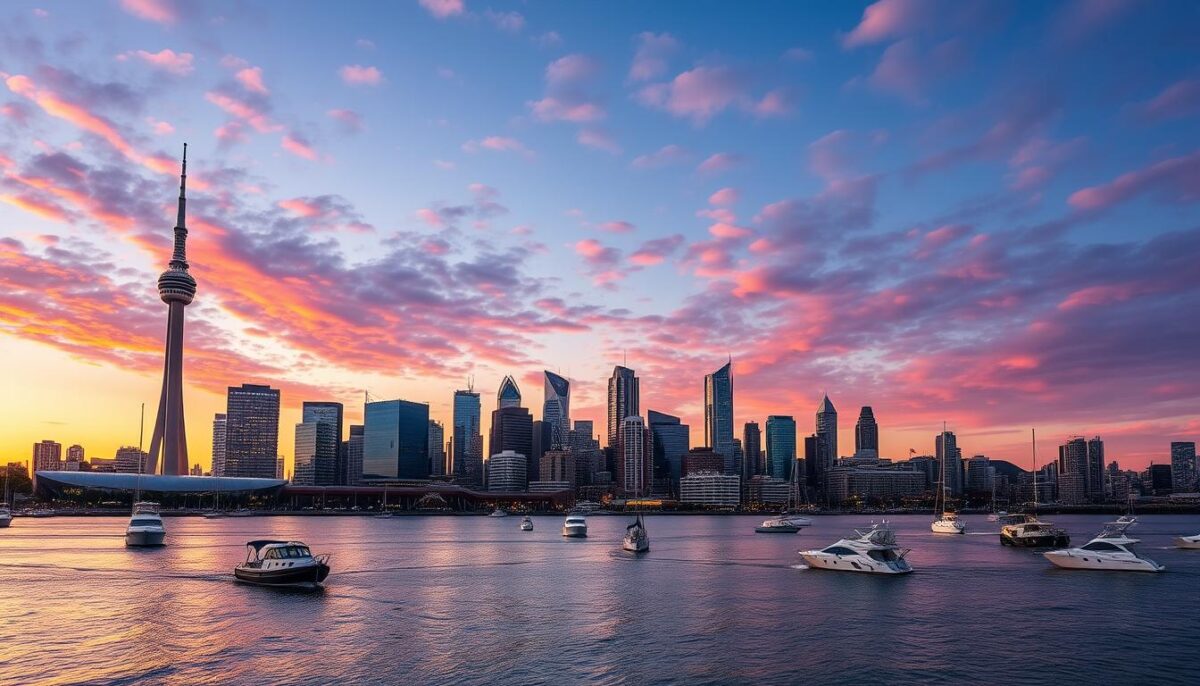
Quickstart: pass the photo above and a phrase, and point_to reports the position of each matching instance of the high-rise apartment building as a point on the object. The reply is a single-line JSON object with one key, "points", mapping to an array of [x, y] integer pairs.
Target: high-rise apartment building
{"points": [[316, 454], [466, 445], [781, 446], [753, 462], [827, 430], [949, 457], [395, 440], [512, 430], [866, 434], [354, 455], [635, 457], [252, 431], [1183, 466], [506, 472], [47, 456], [330, 413], [670, 440], [220, 426], [556, 410], [624, 400], [437, 448], [718, 415]]}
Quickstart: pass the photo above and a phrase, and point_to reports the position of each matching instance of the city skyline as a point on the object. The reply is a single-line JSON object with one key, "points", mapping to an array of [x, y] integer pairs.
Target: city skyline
{"points": [[344, 249]]}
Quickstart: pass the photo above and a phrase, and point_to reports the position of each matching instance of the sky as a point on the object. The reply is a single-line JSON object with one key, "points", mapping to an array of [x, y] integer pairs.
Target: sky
{"points": [[979, 213]]}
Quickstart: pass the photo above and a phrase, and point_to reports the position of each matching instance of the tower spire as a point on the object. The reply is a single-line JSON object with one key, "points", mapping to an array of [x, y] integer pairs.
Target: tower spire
{"points": [[179, 255]]}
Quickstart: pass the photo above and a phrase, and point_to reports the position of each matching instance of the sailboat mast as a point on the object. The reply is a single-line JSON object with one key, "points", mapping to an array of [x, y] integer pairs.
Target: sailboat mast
{"points": [[1033, 436]]}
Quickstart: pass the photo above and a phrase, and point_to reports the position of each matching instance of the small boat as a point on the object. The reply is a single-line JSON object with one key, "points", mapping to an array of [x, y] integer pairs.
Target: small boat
{"points": [[1027, 531], [949, 523], [214, 514], [42, 513], [526, 524], [145, 526], [282, 563], [782, 525], [1111, 550], [1188, 542], [241, 513], [5, 516], [873, 552], [498, 512], [384, 515], [575, 526], [636, 539]]}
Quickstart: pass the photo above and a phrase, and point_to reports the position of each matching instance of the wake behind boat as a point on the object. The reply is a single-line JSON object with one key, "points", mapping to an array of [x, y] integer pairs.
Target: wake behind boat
{"points": [[873, 552], [145, 526], [282, 563]]}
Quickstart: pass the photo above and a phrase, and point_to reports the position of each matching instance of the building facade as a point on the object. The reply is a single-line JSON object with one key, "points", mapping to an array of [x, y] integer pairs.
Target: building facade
{"points": [[827, 432], [316, 454], [671, 441], [718, 415], [754, 459], [509, 394], [506, 472], [711, 489], [781, 446], [1183, 466], [635, 457], [395, 440], [220, 426], [624, 400], [949, 456], [512, 430], [327, 413], [437, 448], [466, 444], [47, 456], [556, 410], [252, 431], [866, 434]]}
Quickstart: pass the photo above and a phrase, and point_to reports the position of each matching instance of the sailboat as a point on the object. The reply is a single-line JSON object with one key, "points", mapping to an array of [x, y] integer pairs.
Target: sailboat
{"points": [[948, 523], [1026, 530], [383, 511], [145, 523], [636, 539], [788, 521]]}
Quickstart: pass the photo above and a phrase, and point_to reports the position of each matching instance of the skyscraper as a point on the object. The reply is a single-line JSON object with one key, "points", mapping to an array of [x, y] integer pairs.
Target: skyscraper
{"points": [[1073, 466], [670, 441], [329, 413], [949, 457], [466, 446], [753, 463], [827, 430], [176, 288], [623, 401], [47, 456], [354, 455], [218, 444], [636, 453], [866, 434], [556, 409], [512, 429], [506, 472], [509, 394], [1183, 466], [718, 414], [781, 445], [1095, 468], [395, 440], [437, 449], [252, 431], [316, 454]]}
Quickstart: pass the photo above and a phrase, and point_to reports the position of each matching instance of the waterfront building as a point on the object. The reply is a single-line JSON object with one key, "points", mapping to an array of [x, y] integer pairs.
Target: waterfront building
{"points": [[753, 462], [47, 456], [869, 485], [702, 459], [437, 450], [466, 446], [252, 431], [827, 431], [329, 413], [768, 490], [781, 446], [866, 434], [75, 453], [395, 440], [1095, 469], [635, 457], [129, 459], [950, 455], [927, 465], [354, 455], [623, 401], [550, 486], [671, 441], [1183, 466], [316, 454], [509, 394], [979, 474], [558, 465], [506, 472], [220, 426], [176, 288], [1073, 471], [718, 415], [710, 488], [556, 410], [1156, 480], [103, 464], [512, 430]]}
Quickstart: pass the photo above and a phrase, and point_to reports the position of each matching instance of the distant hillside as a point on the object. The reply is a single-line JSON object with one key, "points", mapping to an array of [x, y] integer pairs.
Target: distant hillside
{"points": [[1007, 469]]}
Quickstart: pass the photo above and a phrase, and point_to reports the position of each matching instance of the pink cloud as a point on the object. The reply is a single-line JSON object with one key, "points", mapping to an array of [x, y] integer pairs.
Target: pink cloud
{"points": [[720, 162], [776, 103], [650, 58], [598, 139], [157, 11], [555, 109], [887, 19], [178, 63], [497, 144], [251, 114], [298, 146], [571, 70], [431, 217], [1180, 99], [359, 75], [656, 251], [698, 94], [251, 79], [617, 227], [725, 196], [233, 131], [350, 120], [1094, 296], [664, 156], [1177, 179], [442, 9], [907, 71], [160, 128]]}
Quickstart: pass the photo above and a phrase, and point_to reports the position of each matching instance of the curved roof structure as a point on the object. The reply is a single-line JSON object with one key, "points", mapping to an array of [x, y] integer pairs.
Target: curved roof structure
{"points": [[155, 483]]}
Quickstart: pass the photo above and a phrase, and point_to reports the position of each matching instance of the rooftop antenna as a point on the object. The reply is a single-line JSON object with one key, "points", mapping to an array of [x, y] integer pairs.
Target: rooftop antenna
{"points": [[624, 357]]}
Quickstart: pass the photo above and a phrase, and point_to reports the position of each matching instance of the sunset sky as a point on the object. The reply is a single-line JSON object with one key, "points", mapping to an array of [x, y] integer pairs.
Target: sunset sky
{"points": [[984, 213]]}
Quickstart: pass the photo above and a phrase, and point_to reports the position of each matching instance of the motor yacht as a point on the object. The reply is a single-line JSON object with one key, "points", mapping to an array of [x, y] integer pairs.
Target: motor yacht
{"points": [[1027, 531], [145, 526], [1188, 542], [874, 551], [575, 526], [5, 515], [636, 539], [282, 563], [783, 524], [526, 524], [1111, 550], [498, 512], [949, 523]]}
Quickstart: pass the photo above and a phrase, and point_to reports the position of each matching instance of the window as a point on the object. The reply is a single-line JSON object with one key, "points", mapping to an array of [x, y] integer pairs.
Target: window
{"points": [[839, 550], [1101, 545]]}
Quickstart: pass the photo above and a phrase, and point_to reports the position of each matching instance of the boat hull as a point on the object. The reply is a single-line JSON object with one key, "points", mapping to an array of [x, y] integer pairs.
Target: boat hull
{"points": [[527, 527], [783, 529], [636, 546], [145, 539], [5, 521], [308, 575], [574, 532], [838, 563], [1188, 542], [1048, 540], [940, 527], [1078, 559]]}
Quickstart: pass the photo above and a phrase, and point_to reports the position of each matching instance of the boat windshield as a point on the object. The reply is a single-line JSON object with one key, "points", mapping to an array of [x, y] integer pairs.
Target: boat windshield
{"points": [[839, 550], [884, 555], [1103, 546], [145, 522]]}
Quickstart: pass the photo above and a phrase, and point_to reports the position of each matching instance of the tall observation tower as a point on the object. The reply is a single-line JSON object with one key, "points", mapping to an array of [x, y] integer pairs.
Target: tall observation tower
{"points": [[176, 287]]}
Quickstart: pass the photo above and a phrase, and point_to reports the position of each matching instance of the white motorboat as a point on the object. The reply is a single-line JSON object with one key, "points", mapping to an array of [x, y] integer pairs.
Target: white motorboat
{"points": [[636, 539], [498, 512], [874, 551], [1027, 531], [526, 524], [145, 526], [1111, 550], [575, 526], [788, 521], [949, 523], [1188, 542]]}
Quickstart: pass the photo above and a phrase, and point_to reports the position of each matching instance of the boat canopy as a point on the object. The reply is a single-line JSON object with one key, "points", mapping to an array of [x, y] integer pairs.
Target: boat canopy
{"points": [[259, 545]]}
